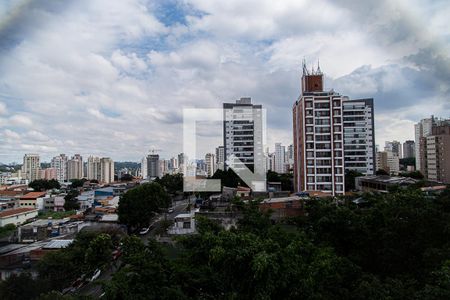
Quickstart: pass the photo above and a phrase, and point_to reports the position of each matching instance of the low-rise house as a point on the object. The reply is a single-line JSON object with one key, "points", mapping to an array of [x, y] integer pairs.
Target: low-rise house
{"points": [[86, 199], [33, 199], [184, 223], [54, 203], [381, 183], [8, 202], [17, 216], [291, 206]]}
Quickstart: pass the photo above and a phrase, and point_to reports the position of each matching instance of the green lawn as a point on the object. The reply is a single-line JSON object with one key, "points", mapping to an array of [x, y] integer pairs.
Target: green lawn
{"points": [[56, 214]]}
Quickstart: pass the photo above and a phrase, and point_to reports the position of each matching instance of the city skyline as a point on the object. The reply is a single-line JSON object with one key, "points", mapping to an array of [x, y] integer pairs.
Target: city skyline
{"points": [[70, 84]]}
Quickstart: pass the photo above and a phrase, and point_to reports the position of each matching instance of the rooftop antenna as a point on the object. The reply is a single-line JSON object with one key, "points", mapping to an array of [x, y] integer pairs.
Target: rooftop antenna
{"points": [[319, 71], [305, 70], [153, 150]]}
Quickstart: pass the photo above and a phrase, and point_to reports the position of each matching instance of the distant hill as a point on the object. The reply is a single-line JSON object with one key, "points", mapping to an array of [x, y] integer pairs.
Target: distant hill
{"points": [[126, 164]]}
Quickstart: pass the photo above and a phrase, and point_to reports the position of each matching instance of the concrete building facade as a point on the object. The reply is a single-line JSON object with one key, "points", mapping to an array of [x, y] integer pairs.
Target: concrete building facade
{"points": [[359, 136], [210, 164], [60, 164], [75, 167], [280, 155], [318, 137], [153, 166], [243, 133], [31, 166]]}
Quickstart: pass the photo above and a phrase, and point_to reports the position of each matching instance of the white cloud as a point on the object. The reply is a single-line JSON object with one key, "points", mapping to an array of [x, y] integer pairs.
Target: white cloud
{"points": [[3, 109], [108, 78], [20, 121]]}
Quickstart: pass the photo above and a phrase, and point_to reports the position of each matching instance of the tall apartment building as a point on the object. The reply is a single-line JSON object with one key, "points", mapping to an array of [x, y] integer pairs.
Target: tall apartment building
{"points": [[388, 161], [437, 150], [31, 166], [93, 168], [48, 173], [359, 136], [174, 164], [331, 134], [220, 157], [60, 164], [144, 167], [289, 158], [395, 147], [181, 161], [153, 166], [106, 170], [280, 158], [409, 149], [75, 167], [423, 129], [210, 164], [243, 133], [318, 137]]}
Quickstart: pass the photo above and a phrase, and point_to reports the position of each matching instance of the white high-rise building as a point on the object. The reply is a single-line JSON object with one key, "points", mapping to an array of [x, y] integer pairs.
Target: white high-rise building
{"points": [[31, 166], [243, 134], [210, 161], [280, 158], [359, 136], [144, 169], [60, 164], [106, 170], [75, 167], [93, 168], [220, 157]]}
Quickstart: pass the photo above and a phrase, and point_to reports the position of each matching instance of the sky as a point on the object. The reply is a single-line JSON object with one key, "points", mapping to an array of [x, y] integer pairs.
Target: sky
{"points": [[111, 78]]}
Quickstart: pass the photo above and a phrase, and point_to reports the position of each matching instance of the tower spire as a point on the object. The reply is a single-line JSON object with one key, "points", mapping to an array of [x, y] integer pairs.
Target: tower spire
{"points": [[319, 71], [305, 69]]}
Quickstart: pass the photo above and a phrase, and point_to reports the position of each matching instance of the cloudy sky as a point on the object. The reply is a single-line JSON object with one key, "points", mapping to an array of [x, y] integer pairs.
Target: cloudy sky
{"points": [[111, 78]]}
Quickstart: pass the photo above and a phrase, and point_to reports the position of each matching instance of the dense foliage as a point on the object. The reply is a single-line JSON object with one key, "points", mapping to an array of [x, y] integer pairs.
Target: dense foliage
{"points": [[285, 179], [395, 246], [77, 183], [172, 183], [138, 205], [57, 270], [70, 200], [44, 184]]}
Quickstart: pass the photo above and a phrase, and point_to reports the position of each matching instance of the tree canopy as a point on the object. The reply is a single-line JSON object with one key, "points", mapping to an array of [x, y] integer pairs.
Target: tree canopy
{"points": [[172, 183], [44, 184], [138, 205]]}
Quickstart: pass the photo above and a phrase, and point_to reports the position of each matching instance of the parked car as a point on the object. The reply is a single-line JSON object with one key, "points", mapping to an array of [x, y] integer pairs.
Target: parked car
{"points": [[144, 231], [95, 275], [116, 254]]}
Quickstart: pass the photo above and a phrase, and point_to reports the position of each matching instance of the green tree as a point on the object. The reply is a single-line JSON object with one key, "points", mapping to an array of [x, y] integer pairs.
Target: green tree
{"points": [[43, 184], [126, 177], [19, 287], [414, 175], [138, 205], [77, 183], [350, 176], [381, 172], [99, 251], [70, 200], [172, 183]]}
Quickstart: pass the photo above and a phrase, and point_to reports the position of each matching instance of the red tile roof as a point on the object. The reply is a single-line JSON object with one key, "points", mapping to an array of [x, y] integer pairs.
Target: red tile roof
{"points": [[15, 211], [32, 195]]}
